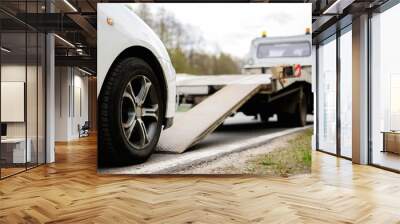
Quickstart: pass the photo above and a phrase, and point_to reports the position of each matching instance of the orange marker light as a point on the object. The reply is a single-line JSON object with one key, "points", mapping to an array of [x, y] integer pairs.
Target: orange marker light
{"points": [[264, 34], [110, 21]]}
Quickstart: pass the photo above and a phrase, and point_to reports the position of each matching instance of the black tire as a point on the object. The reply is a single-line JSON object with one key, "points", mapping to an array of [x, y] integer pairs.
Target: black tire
{"points": [[296, 119], [264, 117], [300, 117], [115, 148], [285, 119]]}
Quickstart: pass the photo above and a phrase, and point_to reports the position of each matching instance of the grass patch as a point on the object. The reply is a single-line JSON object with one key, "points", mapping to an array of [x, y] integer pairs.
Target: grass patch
{"points": [[184, 107], [295, 158]]}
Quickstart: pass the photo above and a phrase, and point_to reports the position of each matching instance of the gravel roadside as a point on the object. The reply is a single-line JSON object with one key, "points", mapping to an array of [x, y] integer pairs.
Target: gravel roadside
{"points": [[238, 163]]}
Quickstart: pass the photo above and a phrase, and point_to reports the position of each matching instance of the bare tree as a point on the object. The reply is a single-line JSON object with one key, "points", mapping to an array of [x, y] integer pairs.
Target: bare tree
{"points": [[185, 44], [144, 12]]}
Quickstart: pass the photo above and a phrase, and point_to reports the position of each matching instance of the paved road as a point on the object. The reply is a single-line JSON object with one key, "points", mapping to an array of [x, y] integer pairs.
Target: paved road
{"points": [[239, 128], [234, 133]]}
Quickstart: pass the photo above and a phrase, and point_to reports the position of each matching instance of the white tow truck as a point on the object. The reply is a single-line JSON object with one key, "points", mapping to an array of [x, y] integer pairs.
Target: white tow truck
{"points": [[285, 62], [288, 60]]}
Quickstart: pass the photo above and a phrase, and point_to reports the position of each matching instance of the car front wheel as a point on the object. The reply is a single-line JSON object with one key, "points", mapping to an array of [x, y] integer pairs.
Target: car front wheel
{"points": [[130, 114]]}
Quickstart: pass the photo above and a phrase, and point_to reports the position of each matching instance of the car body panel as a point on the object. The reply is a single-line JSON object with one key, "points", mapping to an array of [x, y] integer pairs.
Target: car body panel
{"points": [[119, 28]]}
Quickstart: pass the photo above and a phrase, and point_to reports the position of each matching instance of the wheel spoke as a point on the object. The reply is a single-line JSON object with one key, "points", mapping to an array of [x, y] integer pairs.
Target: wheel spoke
{"points": [[129, 123], [130, 116], [144, 90], [151, 112], [143, 132], [129, 129], [129, 93]]}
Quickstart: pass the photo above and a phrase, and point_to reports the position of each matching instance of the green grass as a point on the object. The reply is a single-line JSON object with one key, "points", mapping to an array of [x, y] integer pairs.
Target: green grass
{"points": [[285, 161], [183, 108]]}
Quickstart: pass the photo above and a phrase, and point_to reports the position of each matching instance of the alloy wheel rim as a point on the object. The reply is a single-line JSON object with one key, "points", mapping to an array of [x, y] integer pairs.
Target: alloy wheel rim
{"points": [[139, 112]]}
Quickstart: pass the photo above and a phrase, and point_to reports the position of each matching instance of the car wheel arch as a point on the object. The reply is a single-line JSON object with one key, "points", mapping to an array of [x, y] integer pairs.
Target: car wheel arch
{"points": [[148, 56]]}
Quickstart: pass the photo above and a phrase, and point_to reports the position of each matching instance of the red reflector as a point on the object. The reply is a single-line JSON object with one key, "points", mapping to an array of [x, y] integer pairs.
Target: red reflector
{"points": [[297, 70]]}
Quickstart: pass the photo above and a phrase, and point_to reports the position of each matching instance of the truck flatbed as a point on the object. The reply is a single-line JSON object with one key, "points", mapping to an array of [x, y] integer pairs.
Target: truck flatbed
{"points": [[192, 126]]}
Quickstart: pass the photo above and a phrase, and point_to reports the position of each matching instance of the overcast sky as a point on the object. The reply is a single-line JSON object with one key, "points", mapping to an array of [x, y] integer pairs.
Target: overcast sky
{"points": [[232, 26]]}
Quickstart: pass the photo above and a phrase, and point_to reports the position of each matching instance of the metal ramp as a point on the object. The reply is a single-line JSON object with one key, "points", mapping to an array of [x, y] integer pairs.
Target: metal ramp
{"points": [[192, 126]]}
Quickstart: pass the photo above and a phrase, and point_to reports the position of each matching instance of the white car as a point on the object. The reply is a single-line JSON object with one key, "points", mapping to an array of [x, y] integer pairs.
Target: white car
{"points": [[136, 86]]}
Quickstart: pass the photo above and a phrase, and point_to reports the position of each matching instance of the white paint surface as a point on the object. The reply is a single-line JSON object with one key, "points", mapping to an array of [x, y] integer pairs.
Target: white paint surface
{"points": [[12, 101]]}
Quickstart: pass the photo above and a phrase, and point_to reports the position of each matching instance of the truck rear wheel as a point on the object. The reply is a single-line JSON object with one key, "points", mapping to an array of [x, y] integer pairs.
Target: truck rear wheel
{"points": [[300, 117], [285, 119], [296, 119], [130, 114], [264, 117]]}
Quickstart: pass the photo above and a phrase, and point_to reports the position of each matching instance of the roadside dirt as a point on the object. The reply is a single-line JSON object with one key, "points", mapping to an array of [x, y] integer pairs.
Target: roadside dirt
{"points": [[238, 163]]}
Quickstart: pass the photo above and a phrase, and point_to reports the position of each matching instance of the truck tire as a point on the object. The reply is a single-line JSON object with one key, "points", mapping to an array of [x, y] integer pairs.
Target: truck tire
{"points": [[297, 119], [130, 114], [300, 117], [285, 119], [264, 117]]}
